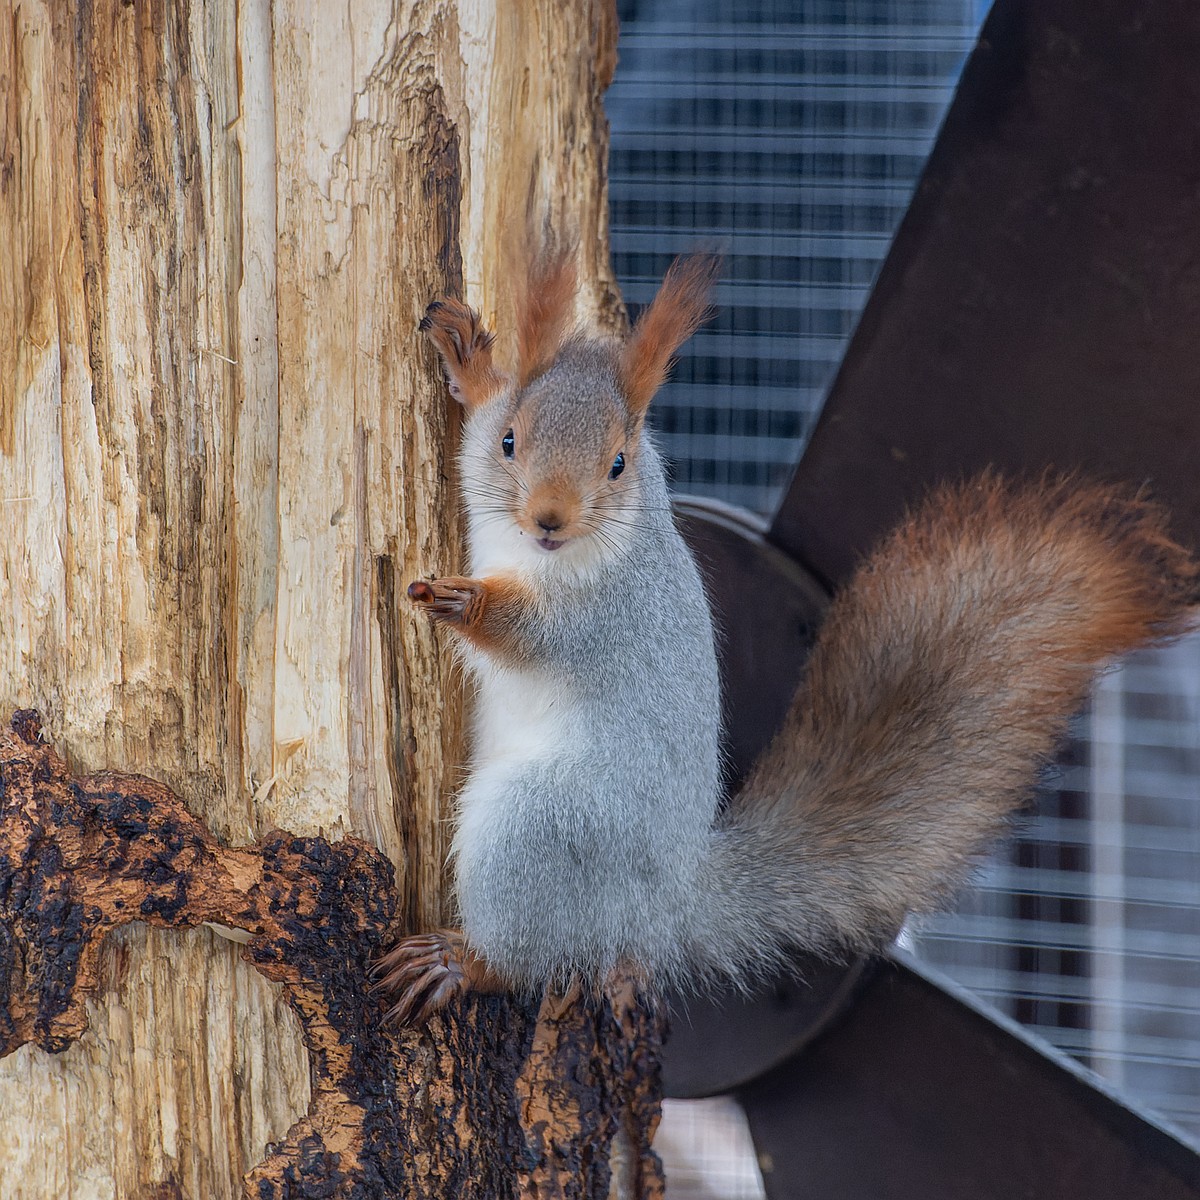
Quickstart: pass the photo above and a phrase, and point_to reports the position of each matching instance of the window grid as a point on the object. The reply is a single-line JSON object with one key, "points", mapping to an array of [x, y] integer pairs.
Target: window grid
{"points": [[790, 137]]}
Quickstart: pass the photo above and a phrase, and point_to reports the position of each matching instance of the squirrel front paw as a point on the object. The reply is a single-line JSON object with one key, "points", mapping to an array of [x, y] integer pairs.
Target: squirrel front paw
{"points": [[465, 348], [421, 975], [455, 599]]}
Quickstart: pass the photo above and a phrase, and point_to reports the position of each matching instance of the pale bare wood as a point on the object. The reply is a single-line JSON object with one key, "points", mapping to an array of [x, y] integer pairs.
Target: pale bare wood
{"points": [[223, 452]]}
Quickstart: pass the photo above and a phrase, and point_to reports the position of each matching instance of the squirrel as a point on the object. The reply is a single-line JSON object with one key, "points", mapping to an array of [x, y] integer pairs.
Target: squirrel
{"points": [[590, 835]]}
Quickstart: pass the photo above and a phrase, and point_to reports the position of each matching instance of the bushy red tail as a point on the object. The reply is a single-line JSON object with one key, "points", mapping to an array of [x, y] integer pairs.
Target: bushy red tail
{"points": [[942, 680]]}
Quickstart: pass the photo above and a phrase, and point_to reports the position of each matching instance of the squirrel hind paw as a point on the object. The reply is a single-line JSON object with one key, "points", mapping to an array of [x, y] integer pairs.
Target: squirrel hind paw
{"points": [[420, 975]]}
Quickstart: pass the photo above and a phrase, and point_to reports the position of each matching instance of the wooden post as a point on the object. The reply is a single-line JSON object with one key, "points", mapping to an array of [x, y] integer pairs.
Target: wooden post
{"points": [[223, 453]]}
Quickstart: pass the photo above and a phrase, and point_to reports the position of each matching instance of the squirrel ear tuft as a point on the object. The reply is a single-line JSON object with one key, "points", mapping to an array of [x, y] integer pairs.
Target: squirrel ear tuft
{"points": [[679, 309], [545, 310]]}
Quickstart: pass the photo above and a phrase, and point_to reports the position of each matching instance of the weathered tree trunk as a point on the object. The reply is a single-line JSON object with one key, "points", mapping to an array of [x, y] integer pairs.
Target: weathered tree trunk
{"points": [[223, 453]]}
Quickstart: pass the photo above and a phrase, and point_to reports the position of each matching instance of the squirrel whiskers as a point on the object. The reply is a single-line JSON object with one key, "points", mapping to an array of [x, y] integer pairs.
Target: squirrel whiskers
{"points": [[588, 838]]}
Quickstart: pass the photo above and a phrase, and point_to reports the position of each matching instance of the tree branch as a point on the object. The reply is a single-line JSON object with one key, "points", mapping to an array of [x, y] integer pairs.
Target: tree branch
{"points": [[495, 1099]]}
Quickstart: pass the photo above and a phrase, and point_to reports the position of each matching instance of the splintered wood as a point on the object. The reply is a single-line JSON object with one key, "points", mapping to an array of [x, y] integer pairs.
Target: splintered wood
{"points": [[224, 453]]}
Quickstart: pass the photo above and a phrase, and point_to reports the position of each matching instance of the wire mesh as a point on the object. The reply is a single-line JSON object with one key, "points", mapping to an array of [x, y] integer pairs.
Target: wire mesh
{"points": [[706, 1151], [1086, 928]]}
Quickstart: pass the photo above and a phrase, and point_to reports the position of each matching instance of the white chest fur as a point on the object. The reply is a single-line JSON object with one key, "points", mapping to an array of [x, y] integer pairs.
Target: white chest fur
{"points": [[519, 717], [519, 714], [524, 713]]}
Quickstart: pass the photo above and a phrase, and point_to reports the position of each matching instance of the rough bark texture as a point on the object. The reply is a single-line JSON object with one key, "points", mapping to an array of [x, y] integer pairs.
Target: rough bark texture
{"points": [[477, 1104], [223, 454]]}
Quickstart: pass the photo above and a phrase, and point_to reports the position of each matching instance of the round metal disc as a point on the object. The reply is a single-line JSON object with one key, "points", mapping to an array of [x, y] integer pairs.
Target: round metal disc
{"points": [[767, 609]]}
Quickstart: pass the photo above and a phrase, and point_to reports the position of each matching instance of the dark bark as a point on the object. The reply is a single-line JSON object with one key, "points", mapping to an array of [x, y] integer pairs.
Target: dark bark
{"points": [[495, 1098]]}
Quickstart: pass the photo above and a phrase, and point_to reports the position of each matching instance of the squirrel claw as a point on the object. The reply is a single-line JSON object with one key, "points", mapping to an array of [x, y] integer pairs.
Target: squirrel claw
{"points": [[420, 592], [447, 599], [423, 974]]}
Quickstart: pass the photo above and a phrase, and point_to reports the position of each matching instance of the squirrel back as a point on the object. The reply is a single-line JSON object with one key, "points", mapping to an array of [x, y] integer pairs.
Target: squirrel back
{"points": [[939, 684]]}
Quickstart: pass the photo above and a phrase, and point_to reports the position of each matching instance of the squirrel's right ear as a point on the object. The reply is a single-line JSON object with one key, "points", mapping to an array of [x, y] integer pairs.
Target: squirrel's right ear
{"points": [[545, 309], [679, 309], [465, 347]]}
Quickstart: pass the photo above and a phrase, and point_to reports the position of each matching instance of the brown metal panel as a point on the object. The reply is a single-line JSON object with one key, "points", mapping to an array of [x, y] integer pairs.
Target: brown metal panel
{"points": [[719, 1043], [918, 1094], [1040, 308], [1041, 303]]}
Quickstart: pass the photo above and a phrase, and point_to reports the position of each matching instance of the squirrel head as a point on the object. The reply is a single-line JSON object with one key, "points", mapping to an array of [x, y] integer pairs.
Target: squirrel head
{"points": [[556, 449]]}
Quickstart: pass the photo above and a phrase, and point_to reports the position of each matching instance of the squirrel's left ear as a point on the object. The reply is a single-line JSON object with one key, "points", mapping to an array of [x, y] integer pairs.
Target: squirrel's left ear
{"points": [[679, 309], [465, 348]]}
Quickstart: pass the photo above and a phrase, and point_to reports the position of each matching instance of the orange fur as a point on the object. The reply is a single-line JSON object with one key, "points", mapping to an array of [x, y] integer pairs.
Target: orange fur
{"points": [[556, 499], [679, 309], [489, 612], [943, 677], [465, 347], [545, 310]]}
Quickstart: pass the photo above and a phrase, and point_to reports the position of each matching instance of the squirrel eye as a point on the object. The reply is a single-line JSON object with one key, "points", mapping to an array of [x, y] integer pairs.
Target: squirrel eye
{"points": [[508, 444], [617, 467]]}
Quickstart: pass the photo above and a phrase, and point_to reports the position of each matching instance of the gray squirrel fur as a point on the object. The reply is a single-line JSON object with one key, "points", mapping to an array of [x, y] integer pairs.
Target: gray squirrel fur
{"points": [[574, 860], [588, 837]]}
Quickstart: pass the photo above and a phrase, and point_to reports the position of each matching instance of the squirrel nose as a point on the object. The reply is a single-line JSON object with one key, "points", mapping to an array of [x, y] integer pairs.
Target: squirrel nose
{"points": [[549, 522]]}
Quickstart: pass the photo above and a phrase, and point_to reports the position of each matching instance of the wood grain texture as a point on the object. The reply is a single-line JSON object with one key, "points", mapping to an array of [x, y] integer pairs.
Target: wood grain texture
{"points": [[224, 452]]}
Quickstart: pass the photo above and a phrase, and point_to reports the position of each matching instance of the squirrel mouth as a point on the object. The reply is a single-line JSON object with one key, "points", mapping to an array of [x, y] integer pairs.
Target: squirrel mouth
{"points": [[548, 543]]}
